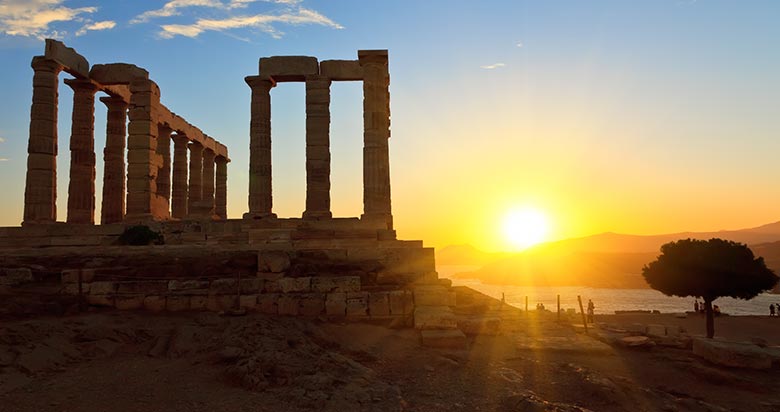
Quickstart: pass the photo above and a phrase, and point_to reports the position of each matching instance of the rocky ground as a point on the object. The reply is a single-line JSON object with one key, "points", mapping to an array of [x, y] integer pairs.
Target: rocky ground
{"points": [[127, 361]]}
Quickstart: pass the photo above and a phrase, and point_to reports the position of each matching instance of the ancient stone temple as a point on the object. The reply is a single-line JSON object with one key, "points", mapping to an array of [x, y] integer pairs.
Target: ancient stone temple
{"points": [[315, 265]]}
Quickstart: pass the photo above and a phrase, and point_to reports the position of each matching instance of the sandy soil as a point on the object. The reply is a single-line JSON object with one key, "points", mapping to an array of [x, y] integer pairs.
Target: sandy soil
{"points": [[123, 361]]}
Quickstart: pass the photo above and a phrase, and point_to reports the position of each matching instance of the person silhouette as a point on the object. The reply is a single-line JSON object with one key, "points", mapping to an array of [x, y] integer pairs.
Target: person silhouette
{"points": [[771, 309], [696, 306], [591, 310]]}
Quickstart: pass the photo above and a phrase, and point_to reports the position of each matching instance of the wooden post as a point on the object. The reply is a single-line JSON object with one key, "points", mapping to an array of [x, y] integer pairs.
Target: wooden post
{"points": [[559, 308], [238, 291], [584, 321], [526, 304]]}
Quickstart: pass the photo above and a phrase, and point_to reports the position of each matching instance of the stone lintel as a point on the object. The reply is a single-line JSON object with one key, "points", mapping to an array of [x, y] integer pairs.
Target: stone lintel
{"points": [[341, 70], [117, 73], [120, 91], [379, 56], [72, 62], [288, 68]]}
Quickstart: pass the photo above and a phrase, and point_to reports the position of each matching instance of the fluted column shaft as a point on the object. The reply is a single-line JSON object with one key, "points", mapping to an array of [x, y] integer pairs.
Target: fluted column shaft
{"points": [[195, 193], [220, 201], [81, 188], [143, 162], [113, 206], [164, 172], [40, 192], [179, 194], [260, 196], [376, 132], [317, 147], [206, 205]]}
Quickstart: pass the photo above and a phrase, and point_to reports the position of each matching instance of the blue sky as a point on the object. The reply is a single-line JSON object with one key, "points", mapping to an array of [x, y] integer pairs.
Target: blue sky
{"points": [[641, 117]]}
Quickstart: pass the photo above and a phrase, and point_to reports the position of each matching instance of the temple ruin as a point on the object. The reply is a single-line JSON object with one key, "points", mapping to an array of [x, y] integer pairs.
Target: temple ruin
{"points": [[315, 265]]}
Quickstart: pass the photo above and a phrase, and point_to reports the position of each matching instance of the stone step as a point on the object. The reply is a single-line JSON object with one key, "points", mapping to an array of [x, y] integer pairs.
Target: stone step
{"points": [[434, 317], [434, 295]]}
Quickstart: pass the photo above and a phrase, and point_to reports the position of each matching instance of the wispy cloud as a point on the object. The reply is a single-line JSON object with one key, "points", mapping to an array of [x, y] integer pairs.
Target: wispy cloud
{"points": [[4, 159], [32, 18], [99, 25], [493, 66], [519, 43], [172, 8], [263, 22]]}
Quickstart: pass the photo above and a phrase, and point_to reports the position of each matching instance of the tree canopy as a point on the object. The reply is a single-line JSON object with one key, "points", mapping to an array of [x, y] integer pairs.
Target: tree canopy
{"points": [[709, 269]]}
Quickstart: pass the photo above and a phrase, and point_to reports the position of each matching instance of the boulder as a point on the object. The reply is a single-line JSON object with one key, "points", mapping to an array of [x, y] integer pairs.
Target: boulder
{"points": [[733, 354], [444, 339]]}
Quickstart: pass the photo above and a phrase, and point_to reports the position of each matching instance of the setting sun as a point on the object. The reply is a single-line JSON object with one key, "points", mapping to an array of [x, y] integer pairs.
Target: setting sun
{"points": [[525, 227]]}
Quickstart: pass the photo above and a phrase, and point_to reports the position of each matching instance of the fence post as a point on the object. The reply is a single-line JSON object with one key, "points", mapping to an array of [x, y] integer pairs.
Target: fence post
{"points": [[526, 305], [582, 312], [559, 308]]}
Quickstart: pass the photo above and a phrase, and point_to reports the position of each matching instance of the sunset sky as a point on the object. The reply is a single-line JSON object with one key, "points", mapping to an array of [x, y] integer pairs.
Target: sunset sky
{"points": [[633, 117]]}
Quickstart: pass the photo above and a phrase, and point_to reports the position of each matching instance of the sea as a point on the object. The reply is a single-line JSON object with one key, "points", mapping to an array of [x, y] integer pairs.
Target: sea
{"points": [[606, 300]]}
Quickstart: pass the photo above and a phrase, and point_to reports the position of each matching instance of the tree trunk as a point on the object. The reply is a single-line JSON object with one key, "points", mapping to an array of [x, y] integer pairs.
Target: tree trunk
{"points": [[710, 318]]}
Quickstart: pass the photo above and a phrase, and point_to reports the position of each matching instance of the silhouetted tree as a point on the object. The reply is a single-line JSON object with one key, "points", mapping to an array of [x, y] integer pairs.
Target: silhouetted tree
{"points": [[709, 269]]}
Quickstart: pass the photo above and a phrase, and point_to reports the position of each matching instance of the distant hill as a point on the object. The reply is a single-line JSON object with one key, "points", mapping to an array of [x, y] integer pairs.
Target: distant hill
{"points": [[604, 260]]}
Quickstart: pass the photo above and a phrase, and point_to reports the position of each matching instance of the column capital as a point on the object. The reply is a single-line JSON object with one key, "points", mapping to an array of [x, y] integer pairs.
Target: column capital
{"points": [[195, 147], [318, 78], [261, 83], [209, 154], [82, 85], [41, 63], [372, 57], [114, 102], [221, 159], [180, 139]]}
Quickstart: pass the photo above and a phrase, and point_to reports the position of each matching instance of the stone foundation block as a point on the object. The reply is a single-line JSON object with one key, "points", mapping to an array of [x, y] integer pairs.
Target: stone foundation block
{"points": [[357, 304], [72, 275], [336, 304], [142, 288], [732, 354], [188, 287], [177, 303], [401, 302], [15, 276], [251, 286], [444, 339], [129, 302], [273, 261], [248, 302], [272, 286], [270, 275], [329, 284], [223, 286], [288, 305], [154, 303], [429, 295], [103, 288], [73, 288], [100, 300], [199, 302], [434, 317], [268, 303], [218, 303], [379, 304], [312, 305], [295, 285]]}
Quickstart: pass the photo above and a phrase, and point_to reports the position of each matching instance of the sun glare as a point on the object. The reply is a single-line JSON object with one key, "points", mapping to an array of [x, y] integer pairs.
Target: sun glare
{"points": [[524, 228]]}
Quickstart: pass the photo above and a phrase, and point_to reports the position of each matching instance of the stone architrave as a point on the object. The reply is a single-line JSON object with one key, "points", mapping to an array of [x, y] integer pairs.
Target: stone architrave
{"points": [[40, 192], [180, 189], [195, 193], [220, 200], [376, 132], [113, 206], [317, 148], [143, 161], [164, 172], [260, 196], [81, 189]]}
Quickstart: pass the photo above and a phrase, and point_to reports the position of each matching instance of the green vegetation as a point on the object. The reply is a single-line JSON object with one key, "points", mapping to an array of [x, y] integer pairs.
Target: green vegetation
{"points": [[140, 235], [709, 269]]}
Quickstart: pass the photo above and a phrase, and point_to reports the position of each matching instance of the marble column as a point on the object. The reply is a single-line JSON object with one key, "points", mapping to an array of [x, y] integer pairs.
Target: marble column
{"points": [[40, 191], [164, 172], [143, 162], [179, 195], [376, 132], [260, 196], [317, 147], [195, 193], [113, 206], [206, 204], [81, 188], [220, 205]]}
